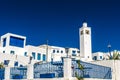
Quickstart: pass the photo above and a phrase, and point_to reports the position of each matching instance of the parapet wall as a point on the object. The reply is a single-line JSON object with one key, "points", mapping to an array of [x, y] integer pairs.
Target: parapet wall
{"points": [[68, 79], [114, 64], [72, 79]]}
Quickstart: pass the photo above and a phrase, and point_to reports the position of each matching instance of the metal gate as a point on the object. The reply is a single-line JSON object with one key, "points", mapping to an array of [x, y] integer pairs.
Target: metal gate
{"points": [[2, 73], [91, 70], [48, 70], [18, 73]]}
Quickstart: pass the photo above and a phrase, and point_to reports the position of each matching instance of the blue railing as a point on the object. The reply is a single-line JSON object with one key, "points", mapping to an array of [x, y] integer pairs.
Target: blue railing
{"points": [[18, 73], [91, 70], [48, 70], [2, 73]]}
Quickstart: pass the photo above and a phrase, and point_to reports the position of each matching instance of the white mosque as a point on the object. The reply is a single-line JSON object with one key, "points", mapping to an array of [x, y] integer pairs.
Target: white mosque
{"points": [[13, 48]]}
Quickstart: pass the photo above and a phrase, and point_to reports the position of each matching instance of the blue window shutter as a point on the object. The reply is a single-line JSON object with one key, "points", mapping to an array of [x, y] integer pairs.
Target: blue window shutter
{"points": [[4, 42], [33, 55], [38, 56], [44, 57]]}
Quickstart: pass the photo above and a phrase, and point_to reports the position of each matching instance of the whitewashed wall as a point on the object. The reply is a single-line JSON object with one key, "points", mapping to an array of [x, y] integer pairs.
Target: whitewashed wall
{"points": [[21, 59]]}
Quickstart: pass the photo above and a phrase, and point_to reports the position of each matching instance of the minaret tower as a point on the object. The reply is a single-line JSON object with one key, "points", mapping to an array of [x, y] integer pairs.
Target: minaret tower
{"points": [[85, 42]]}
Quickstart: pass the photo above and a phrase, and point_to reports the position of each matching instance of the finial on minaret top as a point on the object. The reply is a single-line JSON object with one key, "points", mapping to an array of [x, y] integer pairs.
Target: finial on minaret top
{"points": [[85, 24]]}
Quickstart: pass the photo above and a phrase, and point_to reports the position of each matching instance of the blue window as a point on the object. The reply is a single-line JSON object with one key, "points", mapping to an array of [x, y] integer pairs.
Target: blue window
{"points": [[51, 59], [3, 51], [16, 63], [6, 62], [62, 59], [21, 65], [12, 52], [61, 51], [73, 53], [53, 51], [33, 55], [38, 56], [95, 58], [100, 57], [78, 51], [57, 51], [18, 42], [25, 54], [4, 42], [44, 57]]}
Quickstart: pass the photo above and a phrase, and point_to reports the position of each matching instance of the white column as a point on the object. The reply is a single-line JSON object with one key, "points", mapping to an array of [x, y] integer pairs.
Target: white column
{"points": [[8, 41], [117, 69], [30, 73], [7, 73], [67, 69]]}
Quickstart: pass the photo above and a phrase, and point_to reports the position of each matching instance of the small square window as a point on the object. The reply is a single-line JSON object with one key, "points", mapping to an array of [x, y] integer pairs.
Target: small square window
{"points": [[78, 51], [100, 57], [12, 52], [16, 64], [25, 54], [6, 62], [3, 51], [81, 33], [57, 51], [53, 51], [95, 58], [21, 65], [87, 31], [61, 51], [73, 53]]}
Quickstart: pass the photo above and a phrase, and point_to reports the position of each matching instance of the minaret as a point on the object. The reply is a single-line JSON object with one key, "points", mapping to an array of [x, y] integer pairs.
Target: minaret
{"points": [[85, 42]]}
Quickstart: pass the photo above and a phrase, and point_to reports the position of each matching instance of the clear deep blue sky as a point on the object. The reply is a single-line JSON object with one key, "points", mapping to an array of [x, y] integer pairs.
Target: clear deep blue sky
{"points": [[59, 21]]}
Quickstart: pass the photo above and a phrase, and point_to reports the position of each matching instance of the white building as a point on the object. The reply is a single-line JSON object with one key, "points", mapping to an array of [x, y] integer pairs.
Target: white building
{"points": [[13, 47], [98, 56]]}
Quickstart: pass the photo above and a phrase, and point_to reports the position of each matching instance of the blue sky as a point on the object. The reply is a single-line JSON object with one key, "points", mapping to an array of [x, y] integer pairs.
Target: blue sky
{"points": [[59, 21]]}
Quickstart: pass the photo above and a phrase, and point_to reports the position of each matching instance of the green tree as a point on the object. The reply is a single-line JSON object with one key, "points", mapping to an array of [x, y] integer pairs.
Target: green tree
{"points": [[1, 65], [81, 67]]}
